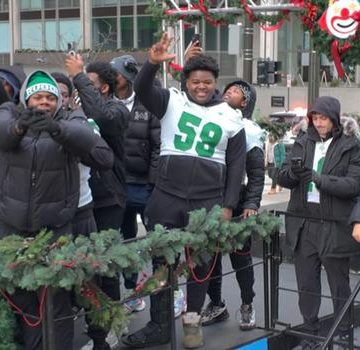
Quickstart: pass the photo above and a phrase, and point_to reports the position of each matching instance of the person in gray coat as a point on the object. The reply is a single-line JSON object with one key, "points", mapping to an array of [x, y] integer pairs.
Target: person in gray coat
{"points": [[323, 173], [39, 152]]}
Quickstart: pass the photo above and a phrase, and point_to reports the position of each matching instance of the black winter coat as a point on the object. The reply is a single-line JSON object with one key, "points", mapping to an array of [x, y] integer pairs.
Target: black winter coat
{"points": [[39, 176], [251, 193], [108, 187], [340, 184], [142, 145]]}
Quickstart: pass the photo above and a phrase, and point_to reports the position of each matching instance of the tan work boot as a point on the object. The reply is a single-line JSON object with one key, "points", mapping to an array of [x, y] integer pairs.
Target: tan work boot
{"points": [[193, 336]]}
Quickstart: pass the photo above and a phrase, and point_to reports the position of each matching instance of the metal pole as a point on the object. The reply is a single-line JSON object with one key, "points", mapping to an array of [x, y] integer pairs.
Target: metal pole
{"points": [[266, 285], [11, 22], [172, 312], [248, 50], [314, 74], [236, 10], [340, 316], [48, 334]]}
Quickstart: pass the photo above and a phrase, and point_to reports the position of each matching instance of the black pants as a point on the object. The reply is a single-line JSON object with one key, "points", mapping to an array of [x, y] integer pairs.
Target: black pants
{"points": [[172, 212], [273, 173], [107, 218], [241, 262], [84, 221], [29, 303], [308, 268], [62, 307]]}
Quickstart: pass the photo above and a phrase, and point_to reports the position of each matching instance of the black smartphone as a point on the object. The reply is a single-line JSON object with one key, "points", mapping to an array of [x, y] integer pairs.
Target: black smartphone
{"points": [[297, 161], [196, 38]]}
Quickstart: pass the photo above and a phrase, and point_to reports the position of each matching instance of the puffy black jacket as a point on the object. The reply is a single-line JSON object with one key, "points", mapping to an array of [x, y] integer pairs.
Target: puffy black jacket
{"points": [[39, 176], [108, 187], [340, 184], [142, 145]]}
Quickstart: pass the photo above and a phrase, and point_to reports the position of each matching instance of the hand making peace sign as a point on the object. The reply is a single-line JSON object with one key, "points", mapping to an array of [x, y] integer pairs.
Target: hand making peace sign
{"points": [[159, 51]]}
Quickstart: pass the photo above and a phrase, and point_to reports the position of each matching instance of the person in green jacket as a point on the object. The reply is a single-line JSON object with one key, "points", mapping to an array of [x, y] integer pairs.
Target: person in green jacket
{"points": [[275, 160]]}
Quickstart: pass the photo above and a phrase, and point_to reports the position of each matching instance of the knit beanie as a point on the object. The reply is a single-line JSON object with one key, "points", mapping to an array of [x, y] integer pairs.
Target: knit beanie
{"points": [[126, 66], [39, 82]]}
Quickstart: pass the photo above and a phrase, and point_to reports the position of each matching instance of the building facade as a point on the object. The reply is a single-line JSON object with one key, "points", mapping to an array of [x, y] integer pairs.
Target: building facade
{"points": [[42, 27]]}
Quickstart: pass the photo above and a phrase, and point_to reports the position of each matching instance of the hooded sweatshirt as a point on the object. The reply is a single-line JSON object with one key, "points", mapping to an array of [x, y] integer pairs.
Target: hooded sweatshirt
{"points": [[329, 107], [15, 76], [248, 110]]}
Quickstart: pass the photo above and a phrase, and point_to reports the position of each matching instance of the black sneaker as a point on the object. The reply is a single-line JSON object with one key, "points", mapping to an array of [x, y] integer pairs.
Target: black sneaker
{"points": [[214, 313], [101, 346], [152, 334]]}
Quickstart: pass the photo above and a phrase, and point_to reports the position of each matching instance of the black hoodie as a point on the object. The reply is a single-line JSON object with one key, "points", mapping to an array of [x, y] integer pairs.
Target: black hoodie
{"points": [[329, 107]]}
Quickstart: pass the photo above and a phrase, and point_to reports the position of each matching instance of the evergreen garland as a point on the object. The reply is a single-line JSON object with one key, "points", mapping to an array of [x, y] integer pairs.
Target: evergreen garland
{"points": [[7, 327], [276, 129], [309, 16], [66, 263]]}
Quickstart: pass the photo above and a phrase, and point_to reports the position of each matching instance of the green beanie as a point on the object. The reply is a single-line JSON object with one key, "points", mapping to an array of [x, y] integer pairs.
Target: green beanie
{"points": [[40, 81]]}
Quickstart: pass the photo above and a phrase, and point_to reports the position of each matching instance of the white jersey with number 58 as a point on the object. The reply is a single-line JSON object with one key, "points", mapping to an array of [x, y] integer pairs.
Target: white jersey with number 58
{"points": [[189, 129]]}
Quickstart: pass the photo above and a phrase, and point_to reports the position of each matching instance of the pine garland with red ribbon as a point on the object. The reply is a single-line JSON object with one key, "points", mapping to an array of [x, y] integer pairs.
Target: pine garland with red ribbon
{"points": [[344, 52]]}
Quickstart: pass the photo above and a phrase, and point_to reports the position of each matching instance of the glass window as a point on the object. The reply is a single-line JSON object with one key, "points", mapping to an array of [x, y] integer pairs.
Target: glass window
{"points": [[30, 4], [50, 35], [70, 32], [4, 6], [127, 32], [146, 28], [5, 43], [210, 37], [69, 3], [126, 2], [31, 35], [103, 3], [224, 37], [50, 4], [104, 33]]}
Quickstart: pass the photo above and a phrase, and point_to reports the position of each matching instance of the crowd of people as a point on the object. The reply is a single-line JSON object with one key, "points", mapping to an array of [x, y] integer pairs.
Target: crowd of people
{"points": [[94, 148]]}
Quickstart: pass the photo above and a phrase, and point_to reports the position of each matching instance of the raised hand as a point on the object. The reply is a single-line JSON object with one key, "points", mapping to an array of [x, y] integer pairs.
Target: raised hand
{"points": [[193, 50], [74, 64], [159, 51]]}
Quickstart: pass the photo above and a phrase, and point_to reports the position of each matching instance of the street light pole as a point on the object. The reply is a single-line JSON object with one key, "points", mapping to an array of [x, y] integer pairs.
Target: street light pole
{"points": [[314, 74], [248, 50]]}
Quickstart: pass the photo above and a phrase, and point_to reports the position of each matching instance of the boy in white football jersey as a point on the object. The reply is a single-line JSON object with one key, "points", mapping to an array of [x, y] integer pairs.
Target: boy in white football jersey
{"points": [[201, 164]]}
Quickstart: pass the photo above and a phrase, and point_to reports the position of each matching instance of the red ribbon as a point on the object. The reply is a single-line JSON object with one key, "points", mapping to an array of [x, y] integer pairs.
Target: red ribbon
{"points": [[336, 52], [248, 11], [176, 67], [274, 27]]}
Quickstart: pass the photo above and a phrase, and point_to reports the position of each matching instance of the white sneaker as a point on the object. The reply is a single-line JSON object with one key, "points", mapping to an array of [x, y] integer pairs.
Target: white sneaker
{"points": [[134, 305], [88, 346], [112, 339], [247, 314]]}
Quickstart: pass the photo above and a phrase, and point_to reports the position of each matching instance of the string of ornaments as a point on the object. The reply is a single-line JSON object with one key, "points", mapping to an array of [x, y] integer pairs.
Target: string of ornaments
{"points": [[333, 25]]}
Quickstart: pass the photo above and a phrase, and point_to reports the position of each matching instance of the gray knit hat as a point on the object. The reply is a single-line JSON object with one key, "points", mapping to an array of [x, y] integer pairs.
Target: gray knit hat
{"points": [[126, 66]]}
